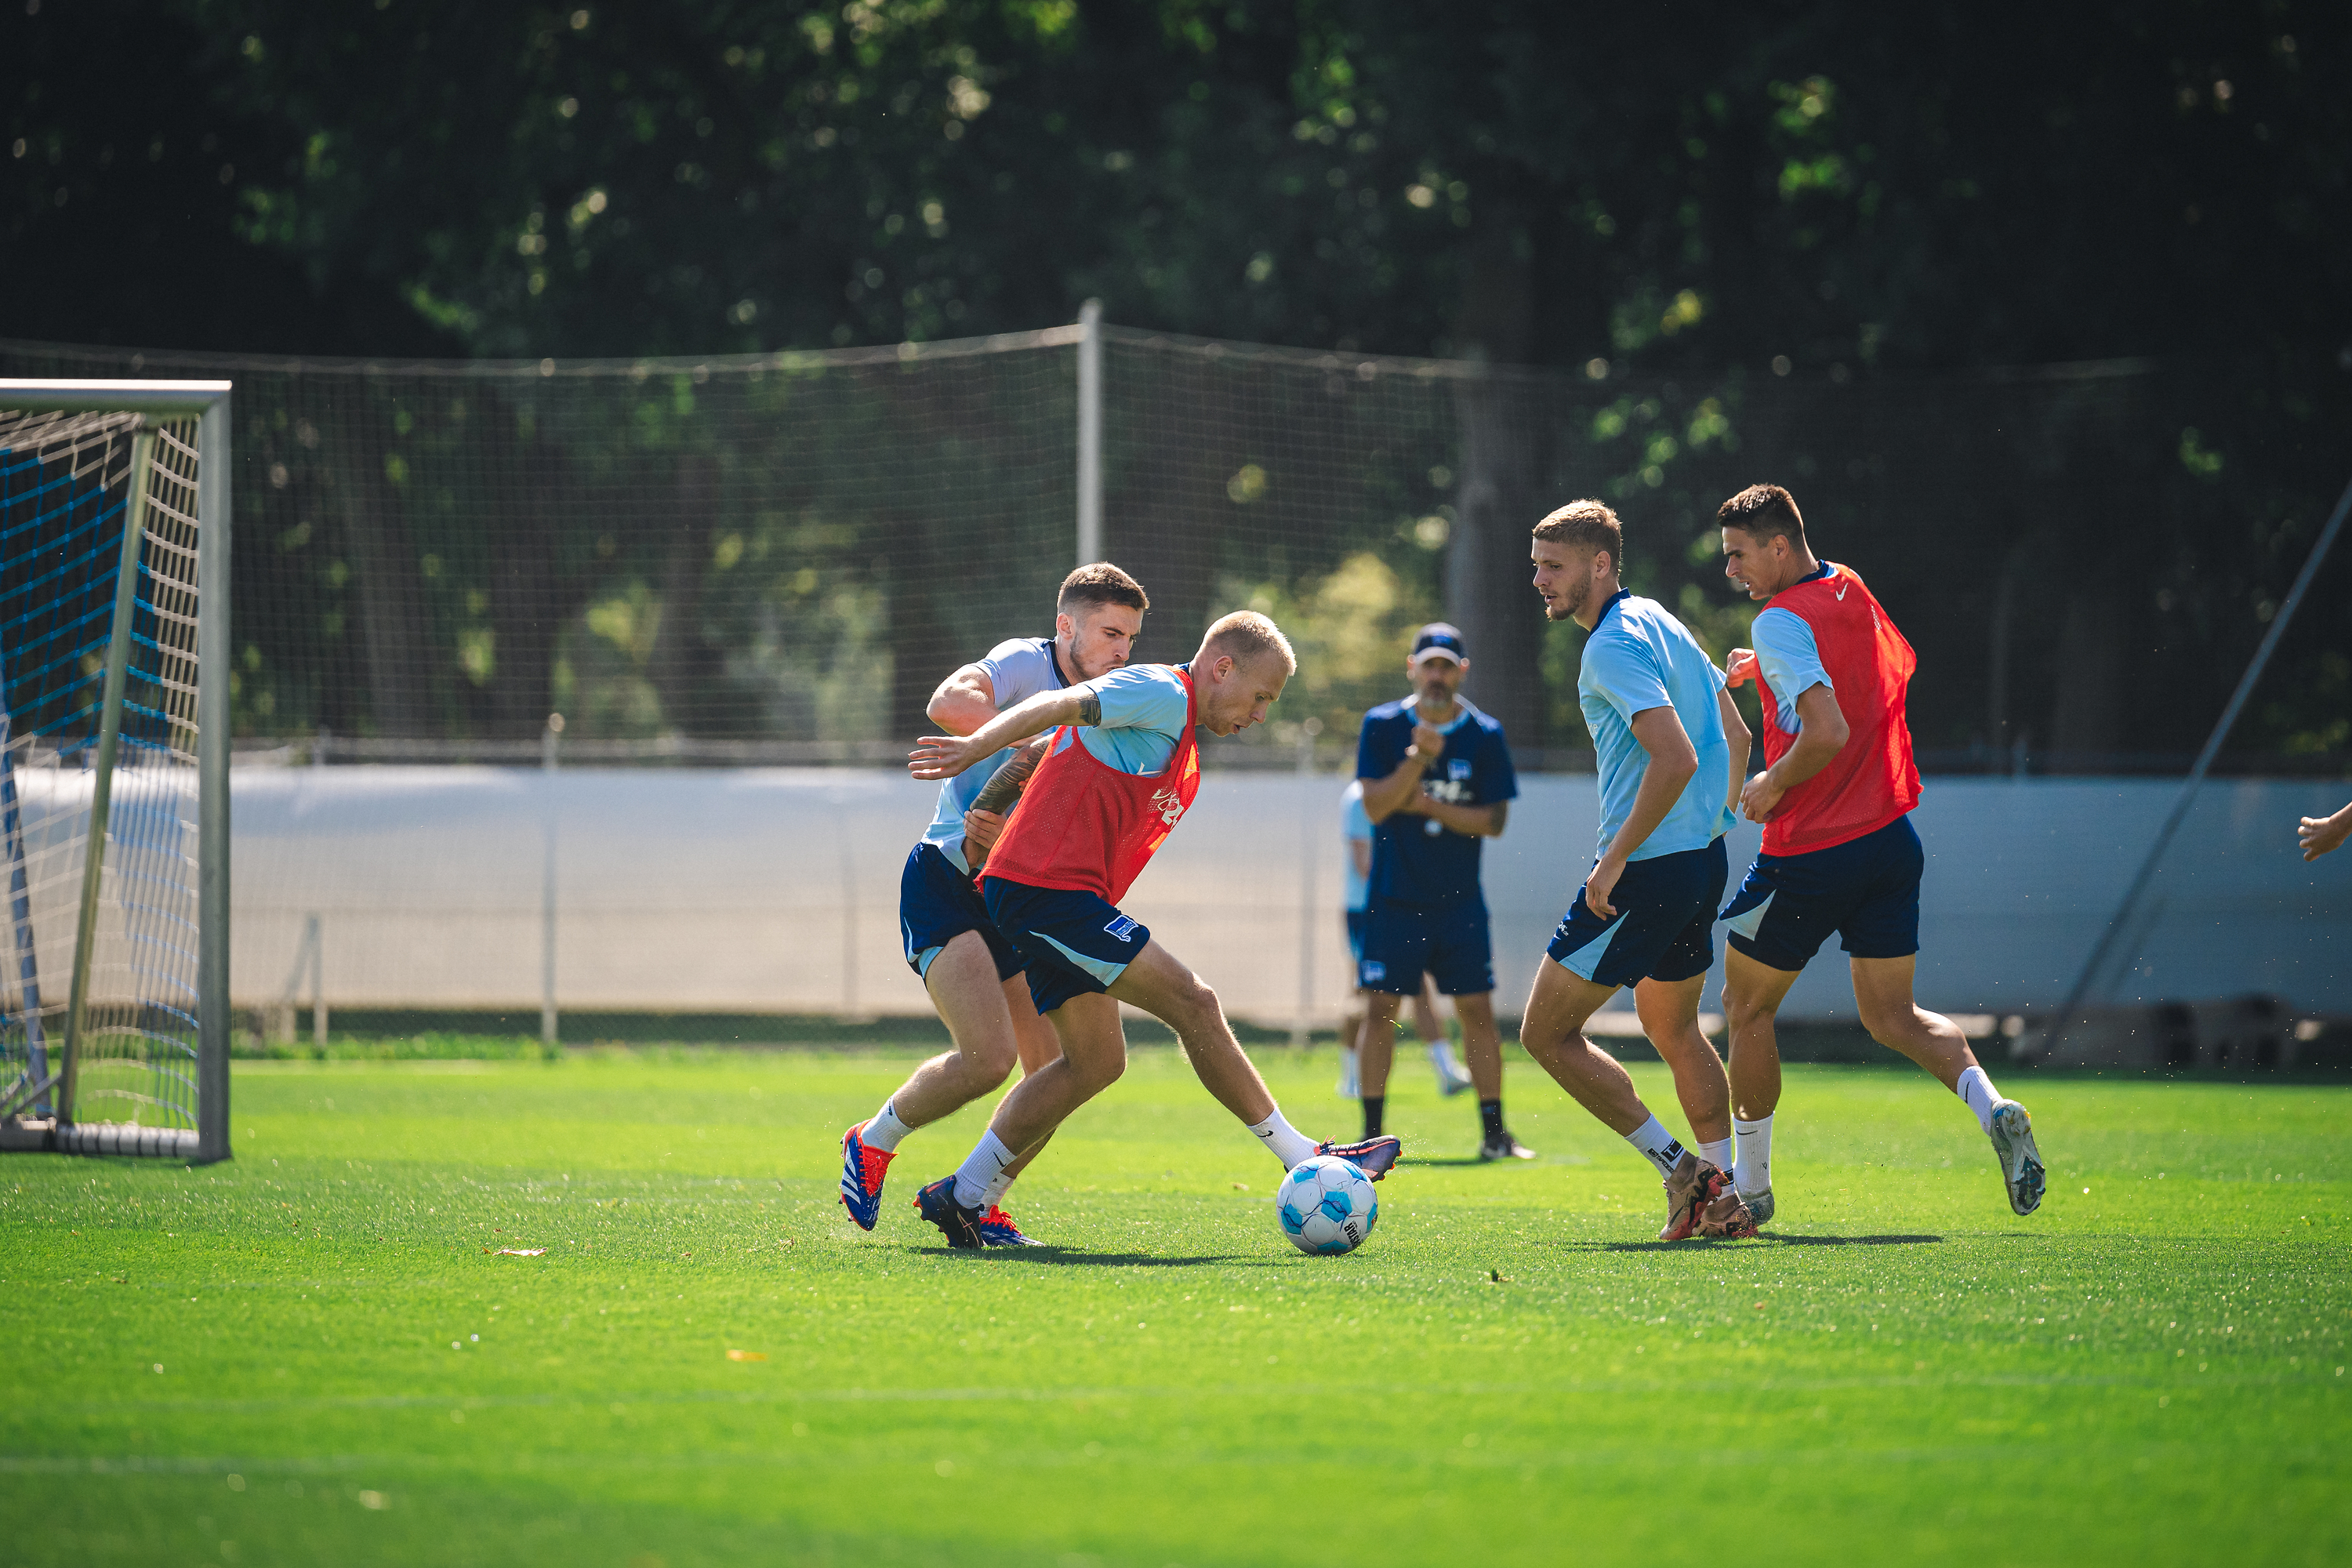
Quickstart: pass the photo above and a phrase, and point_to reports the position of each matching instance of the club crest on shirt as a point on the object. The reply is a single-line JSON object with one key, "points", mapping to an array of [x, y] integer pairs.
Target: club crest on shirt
{"points": [[1168, 804]]}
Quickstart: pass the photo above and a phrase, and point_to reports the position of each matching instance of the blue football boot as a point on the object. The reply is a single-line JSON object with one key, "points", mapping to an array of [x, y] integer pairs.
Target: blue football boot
{"points": [[1373, 1156], [862, 1169], [936, 1204], [997, 1229]]}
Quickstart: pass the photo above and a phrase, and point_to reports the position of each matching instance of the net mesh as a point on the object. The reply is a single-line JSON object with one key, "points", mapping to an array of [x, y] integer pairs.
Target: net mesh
{"points": [[65, 489], [777, 558]]}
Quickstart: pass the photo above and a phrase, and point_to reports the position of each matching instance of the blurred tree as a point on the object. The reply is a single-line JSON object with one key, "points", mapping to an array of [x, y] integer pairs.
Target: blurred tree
{"points": [[1832, 191]]}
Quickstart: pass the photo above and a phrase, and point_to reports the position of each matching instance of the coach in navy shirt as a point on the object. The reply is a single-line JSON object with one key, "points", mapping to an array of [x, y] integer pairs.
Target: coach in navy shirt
{"points": [[1437, 781]]}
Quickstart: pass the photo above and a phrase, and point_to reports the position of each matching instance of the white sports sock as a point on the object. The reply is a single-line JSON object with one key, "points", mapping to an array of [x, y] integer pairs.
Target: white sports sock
{"points": [[1717, 1154], [1350, 1084], [1977, 1092], [885, 1130], [1284, 1142], [1755, 1140], [997, 1187], [1441, 1054], [1657, 1146], [983, 1165]]}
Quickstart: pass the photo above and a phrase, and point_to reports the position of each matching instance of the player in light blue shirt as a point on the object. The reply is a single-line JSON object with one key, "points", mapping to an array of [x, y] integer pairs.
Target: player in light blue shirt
{"points": [[971, 970], [1789, 658], [1673, 750]]}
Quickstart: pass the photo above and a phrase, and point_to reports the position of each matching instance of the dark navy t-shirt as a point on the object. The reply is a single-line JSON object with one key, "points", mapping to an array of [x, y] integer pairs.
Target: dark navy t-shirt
{"points": [[1415, 860]]}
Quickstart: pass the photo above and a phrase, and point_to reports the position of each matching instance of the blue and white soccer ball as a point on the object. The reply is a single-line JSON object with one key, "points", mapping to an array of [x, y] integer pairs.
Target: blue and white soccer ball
{"points": [[1326, 1205]]}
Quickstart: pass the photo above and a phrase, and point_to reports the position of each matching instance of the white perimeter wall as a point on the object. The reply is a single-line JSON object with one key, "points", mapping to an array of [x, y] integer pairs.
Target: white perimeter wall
{"points": [[776, 889]]}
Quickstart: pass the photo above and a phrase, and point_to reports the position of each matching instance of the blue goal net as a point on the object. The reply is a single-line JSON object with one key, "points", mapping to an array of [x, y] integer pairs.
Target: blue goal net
{"points": [[99, 775]]}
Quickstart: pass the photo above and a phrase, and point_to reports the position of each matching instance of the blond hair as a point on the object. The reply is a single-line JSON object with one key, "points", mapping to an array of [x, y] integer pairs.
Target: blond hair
{"points": [[1585, 525], [1247, 637]]}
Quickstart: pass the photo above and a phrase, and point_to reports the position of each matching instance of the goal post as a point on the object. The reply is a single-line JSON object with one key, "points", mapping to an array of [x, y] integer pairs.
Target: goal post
{"points": [[114, 729]]}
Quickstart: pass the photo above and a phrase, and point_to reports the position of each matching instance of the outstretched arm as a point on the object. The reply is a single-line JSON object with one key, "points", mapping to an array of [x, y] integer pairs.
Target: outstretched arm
{"points": [[944, 756], [2318, 835]]}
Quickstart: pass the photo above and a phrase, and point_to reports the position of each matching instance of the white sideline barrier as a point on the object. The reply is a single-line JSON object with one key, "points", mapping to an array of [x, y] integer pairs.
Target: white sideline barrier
{"points": [[775, 891]]}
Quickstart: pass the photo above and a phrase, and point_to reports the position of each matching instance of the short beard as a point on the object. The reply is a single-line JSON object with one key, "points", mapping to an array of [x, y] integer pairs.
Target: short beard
{"points": [[1570, 602]]}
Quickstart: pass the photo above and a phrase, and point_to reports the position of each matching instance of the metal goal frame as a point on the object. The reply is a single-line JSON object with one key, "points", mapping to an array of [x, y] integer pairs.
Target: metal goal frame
{"points": [[207, 402]]}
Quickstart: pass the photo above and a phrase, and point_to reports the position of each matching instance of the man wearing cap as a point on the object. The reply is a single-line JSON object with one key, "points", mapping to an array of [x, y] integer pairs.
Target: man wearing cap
{"points": [[1437, 779]]}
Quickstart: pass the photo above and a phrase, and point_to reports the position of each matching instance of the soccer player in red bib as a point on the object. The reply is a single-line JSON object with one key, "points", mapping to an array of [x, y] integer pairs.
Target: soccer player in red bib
{"points": [[1840, 854], [1119, 773]]}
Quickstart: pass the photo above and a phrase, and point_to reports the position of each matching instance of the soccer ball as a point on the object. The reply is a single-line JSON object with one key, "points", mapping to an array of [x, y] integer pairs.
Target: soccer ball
{"points": [[1326, 1205]]}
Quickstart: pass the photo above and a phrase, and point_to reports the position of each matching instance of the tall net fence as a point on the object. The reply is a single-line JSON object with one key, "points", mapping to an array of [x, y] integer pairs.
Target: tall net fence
{"points": [[779, 557], [774, 561], [68, 483]]}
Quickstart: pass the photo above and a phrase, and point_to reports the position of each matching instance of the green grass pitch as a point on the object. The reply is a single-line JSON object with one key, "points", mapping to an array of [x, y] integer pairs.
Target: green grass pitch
{"points": [[314, 1355]]}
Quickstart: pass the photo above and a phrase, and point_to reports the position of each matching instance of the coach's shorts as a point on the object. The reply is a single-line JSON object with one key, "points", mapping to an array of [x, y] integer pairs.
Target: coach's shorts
{"points": [[1356, 936], [1866, 890], [1665, 927], [1075, 943], [1447, 941], [937, 904]]}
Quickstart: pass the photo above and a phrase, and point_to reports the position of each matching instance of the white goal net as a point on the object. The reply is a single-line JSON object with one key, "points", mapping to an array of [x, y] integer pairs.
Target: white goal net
{"points": [[112, 788]]}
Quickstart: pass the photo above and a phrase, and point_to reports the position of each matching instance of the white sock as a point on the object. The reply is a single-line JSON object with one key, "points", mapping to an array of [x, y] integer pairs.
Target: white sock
{"points": [[1717, 1154], [1284, 1142], [885, 1130], [1350, 1084], [983, 1165], [1441, 1055], [1977, 1092], [1755, 1171], [997, 1187], [1657, 1146]]}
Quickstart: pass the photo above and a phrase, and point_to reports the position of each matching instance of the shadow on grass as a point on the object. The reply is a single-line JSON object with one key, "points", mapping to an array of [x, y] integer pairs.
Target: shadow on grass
{"points": [[1783, 1238], [1442, 1160], [1068, 1256]]}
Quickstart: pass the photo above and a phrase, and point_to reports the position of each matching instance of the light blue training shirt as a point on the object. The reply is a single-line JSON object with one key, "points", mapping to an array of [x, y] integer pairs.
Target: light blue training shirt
{"points": [[1356, 827], [1640, 656], [1017, 670], [1789, 658], [1144, 707]]}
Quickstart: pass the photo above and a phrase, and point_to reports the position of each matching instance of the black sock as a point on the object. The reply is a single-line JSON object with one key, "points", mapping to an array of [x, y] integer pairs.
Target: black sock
{"points": [[1490, 1117], [1373, 1105]]}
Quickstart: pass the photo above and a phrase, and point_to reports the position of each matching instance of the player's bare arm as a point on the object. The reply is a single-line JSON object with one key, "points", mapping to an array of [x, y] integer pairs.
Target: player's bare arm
{"points": [[2318, 835], [964, 701], [1822, 735], [1672, 765], [1736, 734], [1471, 821], [985, 819], [1383, 798], [944, 756]]}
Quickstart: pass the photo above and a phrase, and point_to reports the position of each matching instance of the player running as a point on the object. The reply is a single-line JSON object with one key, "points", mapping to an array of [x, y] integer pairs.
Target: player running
{"points": [[972, 972], [1118, 774], [1672, 750], [1840, 853], [1438, 781], [1355, 835]]}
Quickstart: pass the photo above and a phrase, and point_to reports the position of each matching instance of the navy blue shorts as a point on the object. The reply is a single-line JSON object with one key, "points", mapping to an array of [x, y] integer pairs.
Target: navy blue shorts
{"points": [[1447, 941], [1075, 943], [1866, 890], [1355, 936], [937, 904], [1664, 928]]}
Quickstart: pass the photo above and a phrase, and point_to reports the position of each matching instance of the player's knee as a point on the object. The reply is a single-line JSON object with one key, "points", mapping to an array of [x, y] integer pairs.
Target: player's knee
{"points": [[1888, 1024]]}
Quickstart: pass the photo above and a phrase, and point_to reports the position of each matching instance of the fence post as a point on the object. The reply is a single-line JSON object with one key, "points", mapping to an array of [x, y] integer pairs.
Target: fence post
{"points": [[547, 743], [1310, 842], [1090, 425]]}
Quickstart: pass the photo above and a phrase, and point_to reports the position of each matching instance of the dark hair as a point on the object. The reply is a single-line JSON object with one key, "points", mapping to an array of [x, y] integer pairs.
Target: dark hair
{"points": [[1098, 584], [1585, 525], [1767, 511]]}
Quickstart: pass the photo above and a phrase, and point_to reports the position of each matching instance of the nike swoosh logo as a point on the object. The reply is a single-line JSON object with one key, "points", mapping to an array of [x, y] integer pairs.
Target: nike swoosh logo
{"points": [[1842, 587]]}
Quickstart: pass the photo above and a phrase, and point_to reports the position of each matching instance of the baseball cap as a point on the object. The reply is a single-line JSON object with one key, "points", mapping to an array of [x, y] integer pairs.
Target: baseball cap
{"points": [[1437, 636]]}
